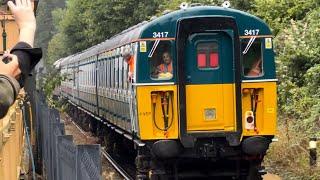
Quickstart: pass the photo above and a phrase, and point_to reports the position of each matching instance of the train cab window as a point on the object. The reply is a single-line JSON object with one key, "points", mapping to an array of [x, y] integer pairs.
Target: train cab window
{"points": [[252, 58], [208, 55], [160, 56]]}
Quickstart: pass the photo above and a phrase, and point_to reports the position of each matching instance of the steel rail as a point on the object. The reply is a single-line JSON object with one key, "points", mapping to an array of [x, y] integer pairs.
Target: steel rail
{"points": [[114, 163]]}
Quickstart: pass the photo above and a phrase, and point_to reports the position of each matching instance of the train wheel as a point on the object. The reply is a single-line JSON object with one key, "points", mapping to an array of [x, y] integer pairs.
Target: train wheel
{"points": [[158, 171], [109, 140], [100, 133], [142, 162], [93, 125], [253, 171], [254, 175]]}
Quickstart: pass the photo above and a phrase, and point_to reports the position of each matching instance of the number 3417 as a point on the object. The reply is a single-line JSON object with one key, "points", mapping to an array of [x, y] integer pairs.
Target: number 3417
{"points": [[160, 34], [251, 32]]}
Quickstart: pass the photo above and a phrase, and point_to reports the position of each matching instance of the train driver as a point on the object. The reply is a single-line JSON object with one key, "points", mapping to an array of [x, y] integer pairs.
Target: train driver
{"points": [[255, 68], [165, 69]]}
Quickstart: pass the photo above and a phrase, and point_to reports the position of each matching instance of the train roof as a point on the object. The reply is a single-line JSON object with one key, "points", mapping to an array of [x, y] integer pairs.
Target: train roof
{"points": [[168, 23]]}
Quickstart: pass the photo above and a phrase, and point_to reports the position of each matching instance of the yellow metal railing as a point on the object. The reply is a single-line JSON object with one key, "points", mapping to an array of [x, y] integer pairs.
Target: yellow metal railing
{"points": [[11, 142]]}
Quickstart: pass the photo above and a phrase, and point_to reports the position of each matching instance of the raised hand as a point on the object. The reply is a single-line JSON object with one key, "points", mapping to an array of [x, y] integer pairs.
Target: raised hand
{"points": [[24, 17]]}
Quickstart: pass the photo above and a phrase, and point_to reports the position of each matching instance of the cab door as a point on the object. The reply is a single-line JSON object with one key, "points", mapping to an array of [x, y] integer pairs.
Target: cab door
{"points": [[209, 82]]}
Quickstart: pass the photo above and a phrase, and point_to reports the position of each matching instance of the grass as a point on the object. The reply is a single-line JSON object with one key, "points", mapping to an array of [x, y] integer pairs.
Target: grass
{"points": [[289, 157]]}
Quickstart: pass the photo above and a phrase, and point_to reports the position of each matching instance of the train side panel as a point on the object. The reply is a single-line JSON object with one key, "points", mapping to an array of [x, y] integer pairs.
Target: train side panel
{"points": [[265, 100], [153, 109]]}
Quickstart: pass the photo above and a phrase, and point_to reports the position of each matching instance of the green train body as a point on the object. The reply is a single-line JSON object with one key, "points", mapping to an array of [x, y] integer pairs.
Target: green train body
{"points": [[214, 101]]}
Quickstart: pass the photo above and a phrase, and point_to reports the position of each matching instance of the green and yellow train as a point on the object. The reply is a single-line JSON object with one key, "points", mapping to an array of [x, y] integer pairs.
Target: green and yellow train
{"points": [[199, 91]]}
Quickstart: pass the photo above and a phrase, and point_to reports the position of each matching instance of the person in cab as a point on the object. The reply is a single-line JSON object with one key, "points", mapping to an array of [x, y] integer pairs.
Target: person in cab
{"points": [[165, 69]]}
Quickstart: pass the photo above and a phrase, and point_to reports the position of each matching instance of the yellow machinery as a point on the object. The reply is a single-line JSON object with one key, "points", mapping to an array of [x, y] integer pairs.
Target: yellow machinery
{"points": [[12, 143]]}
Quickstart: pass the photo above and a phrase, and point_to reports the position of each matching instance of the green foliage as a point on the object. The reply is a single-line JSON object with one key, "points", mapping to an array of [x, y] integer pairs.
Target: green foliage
{"points": [[56, 48], [86, 23], [51, 81], [278, 13], [289, 157], [45, 24], [298, 47]]}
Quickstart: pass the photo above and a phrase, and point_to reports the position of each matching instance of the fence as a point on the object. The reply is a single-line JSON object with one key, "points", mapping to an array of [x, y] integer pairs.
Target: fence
{"points": [[61, 158]]}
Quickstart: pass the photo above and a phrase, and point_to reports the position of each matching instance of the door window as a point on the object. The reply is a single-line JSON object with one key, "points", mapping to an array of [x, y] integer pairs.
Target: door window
{"points": [[208, 55]]}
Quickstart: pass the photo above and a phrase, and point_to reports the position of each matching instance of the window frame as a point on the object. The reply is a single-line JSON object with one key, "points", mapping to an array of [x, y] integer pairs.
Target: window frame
{"points": [[257, 40], [208, 68], [173, 58]]}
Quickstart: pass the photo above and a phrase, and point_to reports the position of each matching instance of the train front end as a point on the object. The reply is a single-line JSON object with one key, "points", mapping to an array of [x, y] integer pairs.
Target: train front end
{"points": [[206, 90]]}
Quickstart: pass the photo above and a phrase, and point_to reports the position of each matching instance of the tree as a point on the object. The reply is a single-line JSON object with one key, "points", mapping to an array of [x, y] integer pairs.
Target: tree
{"points": [[45, 25], [278, 13], [86, 23]]}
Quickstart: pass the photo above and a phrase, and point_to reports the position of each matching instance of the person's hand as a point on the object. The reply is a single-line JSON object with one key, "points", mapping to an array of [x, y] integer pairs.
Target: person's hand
{"points": [[11, 68], [23, 14], [130, 76], [25, 19]]}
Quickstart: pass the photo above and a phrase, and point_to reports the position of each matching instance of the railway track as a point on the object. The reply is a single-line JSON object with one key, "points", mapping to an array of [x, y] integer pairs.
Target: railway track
{"points": [[121, 169]]}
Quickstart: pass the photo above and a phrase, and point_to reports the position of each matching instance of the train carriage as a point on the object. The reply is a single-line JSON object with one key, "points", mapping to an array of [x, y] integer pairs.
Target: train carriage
{"points": [[203, 88]]}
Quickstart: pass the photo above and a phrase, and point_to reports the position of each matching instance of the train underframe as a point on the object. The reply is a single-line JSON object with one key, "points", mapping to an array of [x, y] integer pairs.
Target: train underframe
{"points": [[217, 160], [210, 158]]}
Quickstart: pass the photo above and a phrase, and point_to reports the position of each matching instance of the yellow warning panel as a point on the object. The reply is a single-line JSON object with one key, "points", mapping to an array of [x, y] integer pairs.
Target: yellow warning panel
{"points": [[143, 46], [268, 43]]}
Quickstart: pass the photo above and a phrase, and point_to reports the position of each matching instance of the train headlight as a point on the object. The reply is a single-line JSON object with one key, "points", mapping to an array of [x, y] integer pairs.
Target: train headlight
{"points": [[226, 4], [210, 114], [184, 5], [249, 120]]}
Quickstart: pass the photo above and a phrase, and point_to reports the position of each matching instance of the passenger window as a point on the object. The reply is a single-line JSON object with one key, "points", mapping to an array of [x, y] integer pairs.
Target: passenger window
{"points": [[120, 72], [116, 80], [125, 75], [208, 55], [108, 73], [112, 72], [160, 56], [252, 58]]}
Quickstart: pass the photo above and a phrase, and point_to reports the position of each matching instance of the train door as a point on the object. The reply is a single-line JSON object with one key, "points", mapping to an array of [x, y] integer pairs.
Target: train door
{"points": [[207, 75], [210, 94]]}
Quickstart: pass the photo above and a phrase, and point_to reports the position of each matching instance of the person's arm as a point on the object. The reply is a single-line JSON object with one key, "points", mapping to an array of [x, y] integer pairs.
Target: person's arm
{"points": [[25, 19], [28, 56], [9, 88], [22, 58]]}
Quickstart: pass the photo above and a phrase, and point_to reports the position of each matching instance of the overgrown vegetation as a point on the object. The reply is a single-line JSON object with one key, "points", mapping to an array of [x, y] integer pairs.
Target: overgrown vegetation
{"points": [[289, 158], [295, 24]]}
